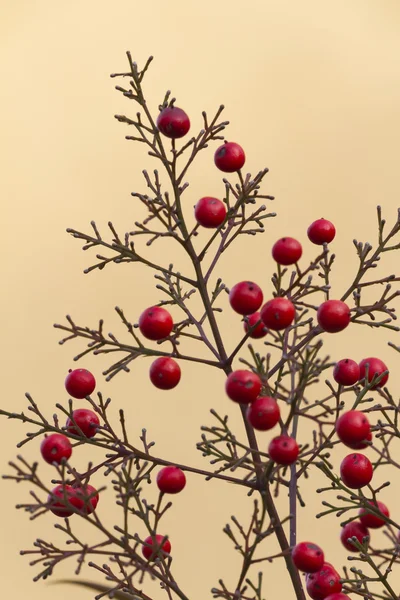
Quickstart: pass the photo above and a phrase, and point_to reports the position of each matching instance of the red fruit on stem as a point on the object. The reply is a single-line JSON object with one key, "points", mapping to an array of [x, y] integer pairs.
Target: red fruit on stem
{"points": [[283, 449], [333, 316], [80, 383], [263, 413], [321, 232], [87, 422], [323, 583], [245, 297], [376, 367], [171, 480], [356, 471], [259, 330], [155, 323], [353, 428], [308, 557], [287, 251], [62, 501], [55, 447], [346, 372], [353, 529], [165, 373], [173, 122], [153, 548], [373, 521], [210, 212], [86, 498], [229, 157], [243, 386], [278, 313]]}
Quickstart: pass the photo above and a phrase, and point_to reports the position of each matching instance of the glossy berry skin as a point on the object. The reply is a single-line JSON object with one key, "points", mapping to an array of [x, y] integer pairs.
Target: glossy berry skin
{"points": [[346, 372], [229, 157], [153, 547], [353, 428], [287, 251], [259, 330], [308, 557], [86, 420], [155, 323], [243, 386], [321, 232], [87, 499], [278, 313], [376, 367], [165, 373], [353, 529], [210, 212], [263, 414], [333, 316], [338, 596], [245, 297], [173, 122], [356, 471], [323, 583], [63, 500], [283, 450], [372, 521], [80, 383], [171, 480], [55, 447]]}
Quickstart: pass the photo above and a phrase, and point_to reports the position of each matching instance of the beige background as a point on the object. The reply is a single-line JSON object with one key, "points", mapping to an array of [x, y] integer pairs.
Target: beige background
{"points": [[312, 89]]}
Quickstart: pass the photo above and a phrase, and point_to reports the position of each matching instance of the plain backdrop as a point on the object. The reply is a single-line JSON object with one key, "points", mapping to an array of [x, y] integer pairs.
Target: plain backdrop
{"points": [[312, 90]]}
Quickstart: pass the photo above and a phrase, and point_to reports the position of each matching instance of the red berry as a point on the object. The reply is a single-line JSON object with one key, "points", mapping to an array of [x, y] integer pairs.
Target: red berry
{"points": [[376, 368], [165, 373], [86, 420], [356, 471], [308, 557], [55, 447], [278, 313], [259, 330], [324, 582], [86, 498], [338, 596], [263, 413], [173, 122], [245, 297], [283, 450], [152, 547], [62, 501], [210, 212], [80, 383], [353, 529], [229, 157], [333, 316], [171, 480], [243, 386], [287, 251], [353, 428], [372, 521], [155, 323], [346, 372], [321, 232]]}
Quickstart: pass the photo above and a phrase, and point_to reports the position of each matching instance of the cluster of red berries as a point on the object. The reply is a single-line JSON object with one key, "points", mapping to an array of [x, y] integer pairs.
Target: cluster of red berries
{"points": [[322, 579]]}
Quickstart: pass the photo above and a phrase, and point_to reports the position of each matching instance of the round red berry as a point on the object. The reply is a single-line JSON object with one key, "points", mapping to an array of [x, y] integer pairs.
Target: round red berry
{"points": [[353, 529], [173, 122], [171, 480], [210, 212], [87, 422], [245, 297], [62, 501], [373, 521], [333, 316], [338, 596], [263, 413], [86, 498], [255, 321], [353, 428], [278, 313], [243, 386], [229, 157], [308, 557], [155, 323], [153, 548], [287, 251], [55, 447], [283, 450], [80, 383], [324, 582], [321, 232], [375, 368], [356, 471], [165, 373], [346, 372]]}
